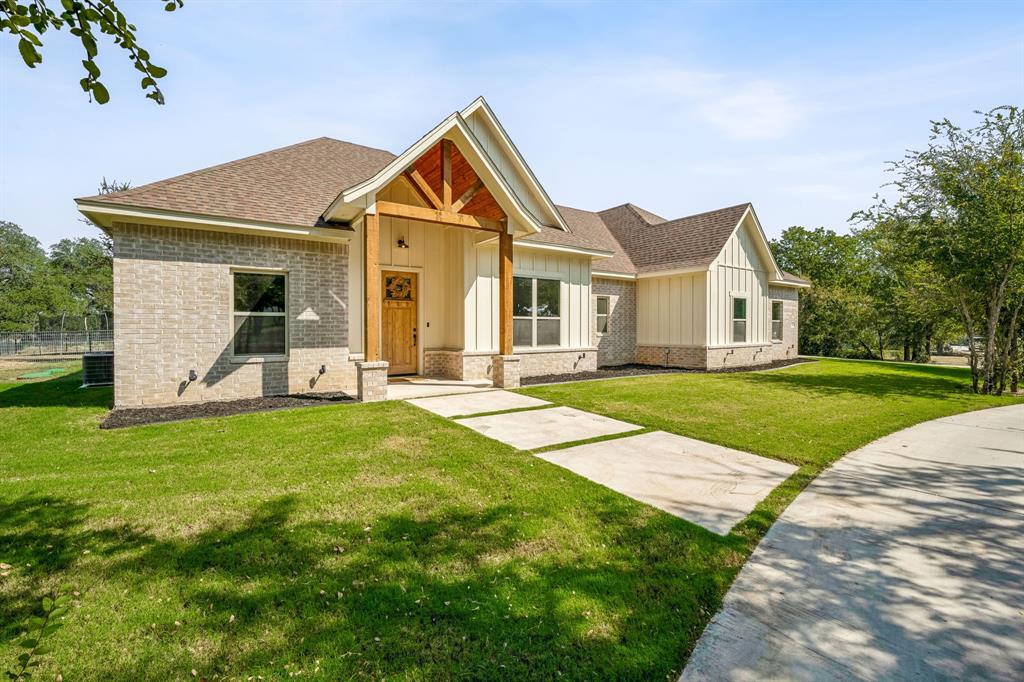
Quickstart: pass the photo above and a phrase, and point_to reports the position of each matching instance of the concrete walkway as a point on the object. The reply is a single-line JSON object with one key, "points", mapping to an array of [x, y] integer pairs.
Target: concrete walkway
{"points": [[904, 561], [709, 485]]}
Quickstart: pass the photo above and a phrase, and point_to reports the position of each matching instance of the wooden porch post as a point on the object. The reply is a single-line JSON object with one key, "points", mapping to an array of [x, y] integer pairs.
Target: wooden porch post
{"points": [[505, 292], [371, 226]]}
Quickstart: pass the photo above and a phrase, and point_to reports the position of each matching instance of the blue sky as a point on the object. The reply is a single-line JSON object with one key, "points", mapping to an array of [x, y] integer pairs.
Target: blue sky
{"points": [[677, 107]]}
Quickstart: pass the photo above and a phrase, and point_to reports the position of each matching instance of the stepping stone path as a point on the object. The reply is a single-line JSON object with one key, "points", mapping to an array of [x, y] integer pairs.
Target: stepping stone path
{"points": [[706, 484], [709, 485], [476, 403], [541, 428]]}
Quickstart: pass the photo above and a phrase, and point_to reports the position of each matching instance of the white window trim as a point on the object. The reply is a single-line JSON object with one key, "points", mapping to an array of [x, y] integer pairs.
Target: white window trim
{"points": [[733, 318], [272, 357], [771, 319], [533, 317], [607, 315]]}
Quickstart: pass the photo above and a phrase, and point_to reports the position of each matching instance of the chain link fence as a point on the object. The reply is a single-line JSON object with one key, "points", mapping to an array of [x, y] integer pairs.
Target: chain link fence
{"points": [[55, 343]]}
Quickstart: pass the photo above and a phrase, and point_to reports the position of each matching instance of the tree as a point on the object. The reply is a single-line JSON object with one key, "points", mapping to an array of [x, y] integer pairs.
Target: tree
{"points": [[29, 288], [86, 264], [837, 316], [961, 210], [28, 20]]}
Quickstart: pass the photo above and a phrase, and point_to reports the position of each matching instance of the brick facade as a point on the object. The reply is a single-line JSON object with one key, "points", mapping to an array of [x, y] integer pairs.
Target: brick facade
{"points": [[372, 381], [479, 365], [702, 357], [739, 356], [689, 357], [172, 303], [617, 346], [789, 346], [506, 371]]}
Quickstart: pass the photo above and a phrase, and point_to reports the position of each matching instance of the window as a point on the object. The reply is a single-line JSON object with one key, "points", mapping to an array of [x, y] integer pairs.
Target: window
{"points": [[776, 320], [535, 311], [739, 320], [603, 306], [260, 321]]}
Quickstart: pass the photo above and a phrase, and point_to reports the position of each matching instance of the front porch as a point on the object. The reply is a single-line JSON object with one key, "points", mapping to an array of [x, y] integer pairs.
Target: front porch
{"points": [[425, 235], [409, 387]]}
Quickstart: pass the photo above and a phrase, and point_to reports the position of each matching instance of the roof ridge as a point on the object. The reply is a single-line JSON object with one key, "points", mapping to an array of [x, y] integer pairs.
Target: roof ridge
{"points": [[135, 191], [704, 213]]}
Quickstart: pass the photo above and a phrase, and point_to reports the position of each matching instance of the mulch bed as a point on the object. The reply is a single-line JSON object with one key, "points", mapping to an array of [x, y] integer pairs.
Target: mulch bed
{"points": [[138, 416], [641, 370]]}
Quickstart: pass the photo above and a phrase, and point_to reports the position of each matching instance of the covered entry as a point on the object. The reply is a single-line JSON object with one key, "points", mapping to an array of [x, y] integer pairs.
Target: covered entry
{"points": [[436, 194]]}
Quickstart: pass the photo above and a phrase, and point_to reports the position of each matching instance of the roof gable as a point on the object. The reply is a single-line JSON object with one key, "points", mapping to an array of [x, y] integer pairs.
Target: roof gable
{"points": [[691, 242], [516, 198]]}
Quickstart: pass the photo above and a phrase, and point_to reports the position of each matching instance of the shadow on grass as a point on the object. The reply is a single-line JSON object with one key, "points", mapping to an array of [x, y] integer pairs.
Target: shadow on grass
{"points": [[64, 391], [44, 536], [454, 592], [925, 381]]}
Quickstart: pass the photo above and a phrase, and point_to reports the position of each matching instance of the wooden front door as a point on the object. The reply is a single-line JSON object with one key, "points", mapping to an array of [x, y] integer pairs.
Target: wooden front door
{"points": [[398, 322]]}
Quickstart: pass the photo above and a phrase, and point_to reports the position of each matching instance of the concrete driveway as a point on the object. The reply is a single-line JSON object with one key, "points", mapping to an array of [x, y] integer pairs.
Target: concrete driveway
{"points": [[903, 561]]}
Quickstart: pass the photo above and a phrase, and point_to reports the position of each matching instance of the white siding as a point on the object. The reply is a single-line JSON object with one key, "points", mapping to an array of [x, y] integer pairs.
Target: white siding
{"points": [[739, 271], [481, 299], [671, 310], [506, 166], [458, 279]]}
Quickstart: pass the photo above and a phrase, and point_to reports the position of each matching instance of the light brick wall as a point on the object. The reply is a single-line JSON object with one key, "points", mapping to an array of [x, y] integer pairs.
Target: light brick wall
{"points": [[534, 364], [789, 347], [172, 290], [618, 345], [443, 363], [701, 357], [372, 381], [479, 365], [688, 357], [739, 356]]}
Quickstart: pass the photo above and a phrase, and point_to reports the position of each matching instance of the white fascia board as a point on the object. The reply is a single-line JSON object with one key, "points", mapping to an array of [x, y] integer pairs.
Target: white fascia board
{"points": [[557, 248], [612, 275], [764, 248], [395, 168], [480, 104], [455, 129], [788, 283], [670, 273], [105, 215]]}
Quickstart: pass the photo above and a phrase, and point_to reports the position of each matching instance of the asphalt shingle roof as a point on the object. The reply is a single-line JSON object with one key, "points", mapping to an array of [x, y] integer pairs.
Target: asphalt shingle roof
{"points": [[294, 185]]}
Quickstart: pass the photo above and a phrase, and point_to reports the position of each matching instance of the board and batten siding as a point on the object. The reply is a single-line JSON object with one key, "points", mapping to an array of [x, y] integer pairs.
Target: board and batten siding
{"points": [[480, 308], [458, 280], [739, 271], [431, 253], [671, 310], [505, 165]]}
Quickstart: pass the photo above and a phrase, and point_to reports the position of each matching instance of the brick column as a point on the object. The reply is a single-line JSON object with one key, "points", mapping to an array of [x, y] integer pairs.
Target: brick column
{"points": [[372, 381], [505, 371]]}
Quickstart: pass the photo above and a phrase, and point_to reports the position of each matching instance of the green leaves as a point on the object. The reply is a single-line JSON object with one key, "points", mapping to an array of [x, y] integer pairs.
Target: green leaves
{"points": [[54, 607], [29, 53], [84, 21], [100, 93]]}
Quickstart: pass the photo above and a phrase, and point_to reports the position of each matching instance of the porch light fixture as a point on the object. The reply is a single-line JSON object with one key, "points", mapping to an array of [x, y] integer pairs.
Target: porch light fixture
{"points": [[401, 243]]}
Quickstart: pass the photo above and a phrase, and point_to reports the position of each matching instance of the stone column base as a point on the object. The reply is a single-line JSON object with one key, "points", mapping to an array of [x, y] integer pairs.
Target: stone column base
{"points": [[372, 381], [506, 371]]}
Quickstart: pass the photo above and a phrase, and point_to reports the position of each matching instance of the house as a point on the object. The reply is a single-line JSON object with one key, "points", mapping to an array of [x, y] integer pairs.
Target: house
{"points": [[328, 266]]}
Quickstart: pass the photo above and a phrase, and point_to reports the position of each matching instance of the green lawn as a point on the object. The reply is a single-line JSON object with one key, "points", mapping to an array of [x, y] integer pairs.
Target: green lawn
{"points": [[376, 541]]}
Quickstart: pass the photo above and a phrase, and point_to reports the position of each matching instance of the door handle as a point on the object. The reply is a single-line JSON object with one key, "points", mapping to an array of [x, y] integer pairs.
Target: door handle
{"points": [[414, 336]]}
